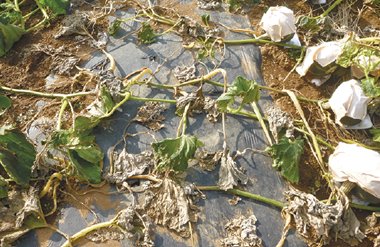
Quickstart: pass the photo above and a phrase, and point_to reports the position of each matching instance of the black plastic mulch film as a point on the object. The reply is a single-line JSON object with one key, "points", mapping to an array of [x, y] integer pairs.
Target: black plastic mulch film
{"points": [[242, 132]]}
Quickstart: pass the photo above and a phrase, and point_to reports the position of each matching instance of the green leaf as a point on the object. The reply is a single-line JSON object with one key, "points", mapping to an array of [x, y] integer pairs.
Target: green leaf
{"points": [[80, 142], [58, 6], [376, 134], [248, 89], [369, 87], [175, 153], [9, 34], [5, 102], [306, 23], [115, 26], [85, 171], [206, 19], [353, 52], [9, 17], [82, 123], [107, 100], [4, 186], [201, 54], [146, 36], [90, 153], [17, 155], [286, 156]]}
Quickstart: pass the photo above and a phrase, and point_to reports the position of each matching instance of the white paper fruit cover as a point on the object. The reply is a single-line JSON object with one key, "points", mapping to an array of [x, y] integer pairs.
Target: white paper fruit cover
{"points": [[318, 63], [278, 22], [349, 100], [356, 164], [358, 72]]}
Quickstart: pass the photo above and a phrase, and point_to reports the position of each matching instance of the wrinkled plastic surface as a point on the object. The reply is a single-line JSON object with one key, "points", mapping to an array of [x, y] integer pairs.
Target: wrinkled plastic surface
{"points": [[242, 132]]}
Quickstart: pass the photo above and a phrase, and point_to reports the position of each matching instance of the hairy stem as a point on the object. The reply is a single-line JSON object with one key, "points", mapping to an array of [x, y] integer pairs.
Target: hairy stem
{"points": [[63, 107], [318, 139], [86, 230], [330, 8], [46, 18], [259, 41], [261, 121], [47, 95], [170, 101], [246, 194]]}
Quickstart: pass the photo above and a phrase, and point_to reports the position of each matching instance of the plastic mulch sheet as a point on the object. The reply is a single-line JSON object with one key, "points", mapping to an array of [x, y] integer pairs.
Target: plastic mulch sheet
{"points": [[242, 132]]}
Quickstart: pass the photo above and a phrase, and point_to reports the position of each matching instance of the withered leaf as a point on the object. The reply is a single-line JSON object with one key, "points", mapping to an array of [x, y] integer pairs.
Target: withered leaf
{"points": [[185, 73], [328, 221], [241, 231], [209, 160], [373, 227], [212, 110], [196, 100], [127, 165], [150, 115], [234, 200], [278, 120], [229, 174], [30, 216], [167, 204]]}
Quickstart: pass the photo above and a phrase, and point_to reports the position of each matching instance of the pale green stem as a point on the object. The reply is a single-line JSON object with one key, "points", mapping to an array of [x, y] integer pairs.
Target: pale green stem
{"points": [[63, 107], [261, 121], [168, 29], [246, 194], [86, 230], [195, 81], [297, 122], [318, 139], [170, 101], [46, 18], [18, 10], [361, 144], [329, 9], [133, 17], [47, 95], [126, 97], [233, 111], [30, 14], [258, 41]]}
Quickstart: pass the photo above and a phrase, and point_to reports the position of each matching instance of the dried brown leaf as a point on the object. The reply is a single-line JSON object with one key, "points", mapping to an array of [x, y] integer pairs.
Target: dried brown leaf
{"points": [[209, 160], [168, 205], [241, 231], [150, 115], [229, 174], [327, 220], [234, 200], [212, 110], [185, 73], [278, 120], [196, 100], [127, 165]]}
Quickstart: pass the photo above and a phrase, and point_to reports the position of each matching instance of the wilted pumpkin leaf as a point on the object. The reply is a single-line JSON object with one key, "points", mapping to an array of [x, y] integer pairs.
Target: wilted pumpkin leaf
{"points": [[4, 186], [17, 155], [146, 36], [369, 87], [58, 6], [286, 155], [248, 89], [175, 153], [85, 171]]}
